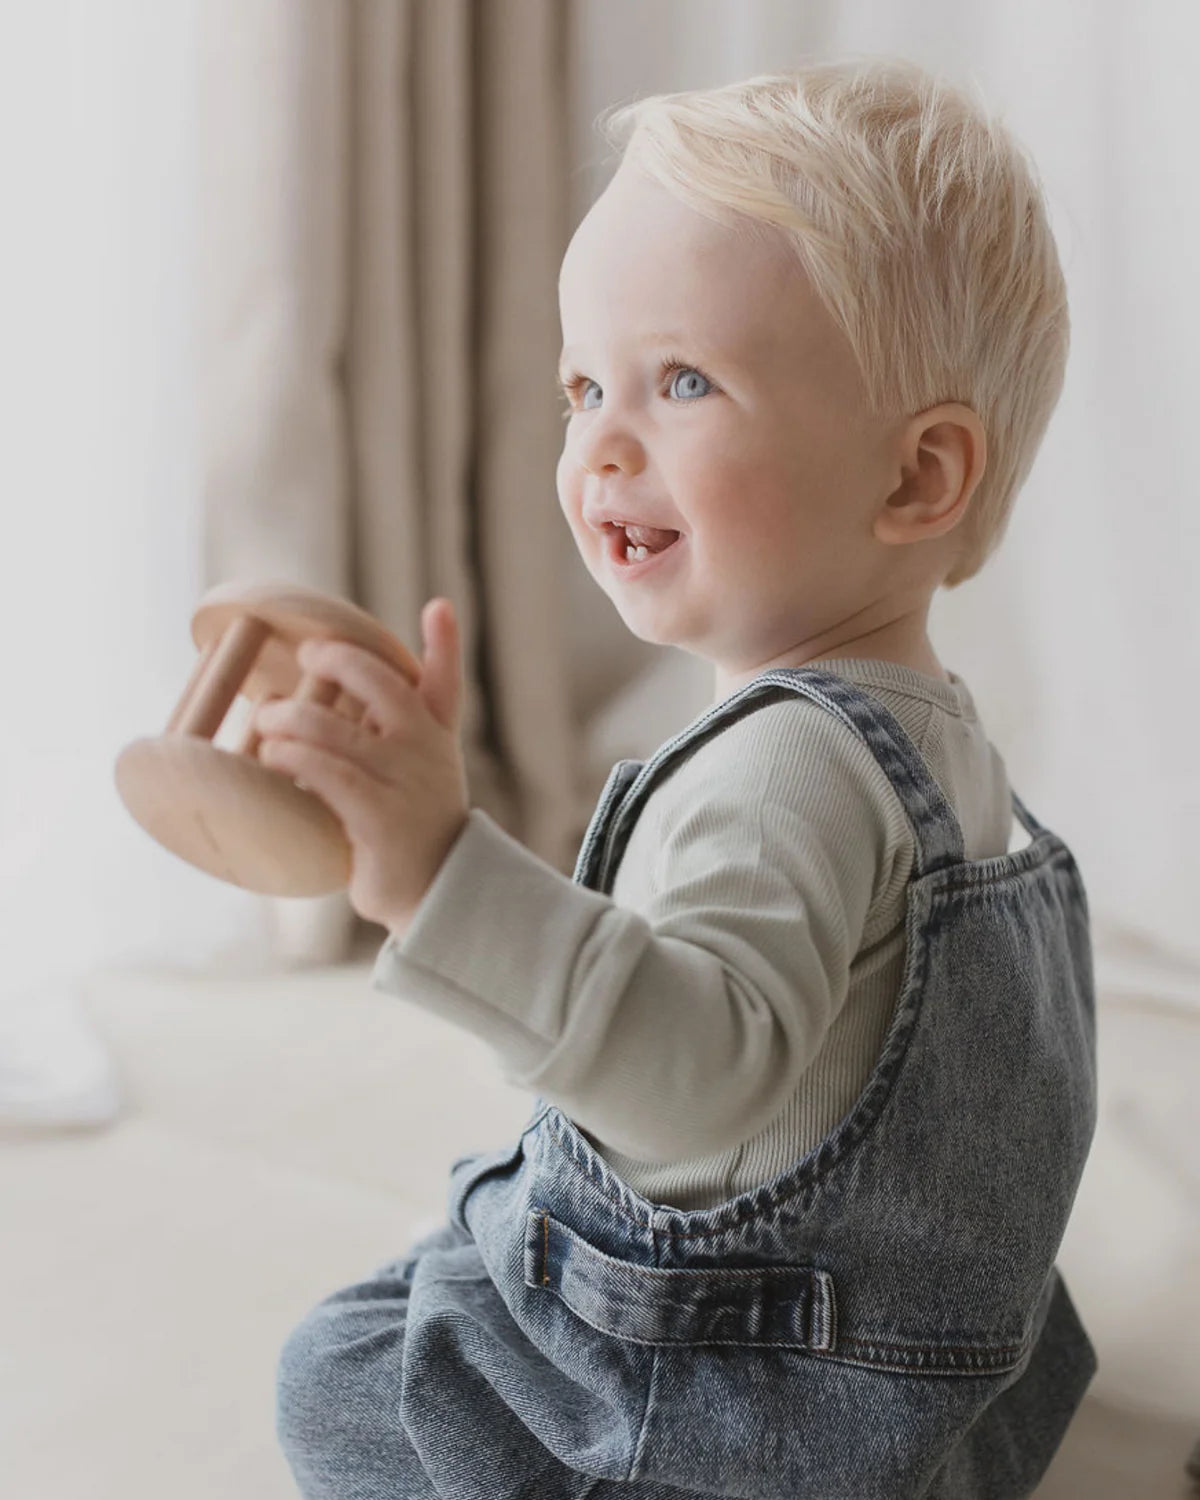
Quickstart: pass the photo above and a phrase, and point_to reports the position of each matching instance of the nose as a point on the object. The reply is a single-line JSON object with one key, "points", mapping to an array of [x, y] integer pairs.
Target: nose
{"points": [[606, 444]]}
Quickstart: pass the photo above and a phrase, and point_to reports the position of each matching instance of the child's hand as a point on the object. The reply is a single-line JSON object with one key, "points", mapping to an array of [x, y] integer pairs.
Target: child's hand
{"points": [[396, 779]]}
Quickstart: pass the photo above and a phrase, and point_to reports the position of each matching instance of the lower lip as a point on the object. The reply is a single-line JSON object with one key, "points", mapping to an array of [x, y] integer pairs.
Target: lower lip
{"points": [[642, 566]]}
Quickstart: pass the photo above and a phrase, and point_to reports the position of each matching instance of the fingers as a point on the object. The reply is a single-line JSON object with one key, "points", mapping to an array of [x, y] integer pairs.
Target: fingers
{"points": [[386, 692], [286, 723], [350, 790], [441, 676]]}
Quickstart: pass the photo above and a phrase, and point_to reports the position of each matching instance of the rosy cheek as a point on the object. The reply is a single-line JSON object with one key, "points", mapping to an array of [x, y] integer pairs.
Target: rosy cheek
{"points": [[562, 478], [568, 482]]}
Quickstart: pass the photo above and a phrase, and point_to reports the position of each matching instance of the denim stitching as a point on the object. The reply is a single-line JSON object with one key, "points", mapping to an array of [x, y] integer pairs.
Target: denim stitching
{"points": [[765, 1201], [545, 1249], [938, 834]]}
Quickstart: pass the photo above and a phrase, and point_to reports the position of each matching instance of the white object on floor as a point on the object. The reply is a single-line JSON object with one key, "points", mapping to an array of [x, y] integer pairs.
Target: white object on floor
{"points": [[54, 1071]]}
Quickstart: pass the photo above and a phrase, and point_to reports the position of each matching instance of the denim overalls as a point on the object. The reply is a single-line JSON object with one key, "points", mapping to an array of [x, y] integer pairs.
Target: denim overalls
{"points": [[883, 1320]]}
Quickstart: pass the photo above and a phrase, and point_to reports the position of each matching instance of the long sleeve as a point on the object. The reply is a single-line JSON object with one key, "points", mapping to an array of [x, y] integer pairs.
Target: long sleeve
{"points": [[681, 1026]]}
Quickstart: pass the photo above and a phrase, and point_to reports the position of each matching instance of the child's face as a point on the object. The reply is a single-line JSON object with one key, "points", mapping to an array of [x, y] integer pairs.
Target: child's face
{"points": [[759, 451]]}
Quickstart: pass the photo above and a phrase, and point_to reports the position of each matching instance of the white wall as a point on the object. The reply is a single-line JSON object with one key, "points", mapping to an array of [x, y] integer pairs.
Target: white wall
{"points": [[98, 571]]}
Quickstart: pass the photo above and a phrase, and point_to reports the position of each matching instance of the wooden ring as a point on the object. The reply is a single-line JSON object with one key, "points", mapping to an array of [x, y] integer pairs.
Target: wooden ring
{"points": [[220, 809]]}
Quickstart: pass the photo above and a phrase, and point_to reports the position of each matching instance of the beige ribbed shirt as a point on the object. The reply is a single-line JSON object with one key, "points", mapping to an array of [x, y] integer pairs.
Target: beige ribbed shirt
{"points": [[712, 1019]]}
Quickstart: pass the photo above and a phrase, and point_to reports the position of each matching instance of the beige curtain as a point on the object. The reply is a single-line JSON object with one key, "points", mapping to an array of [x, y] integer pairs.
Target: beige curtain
{"points": [[383, 209]]}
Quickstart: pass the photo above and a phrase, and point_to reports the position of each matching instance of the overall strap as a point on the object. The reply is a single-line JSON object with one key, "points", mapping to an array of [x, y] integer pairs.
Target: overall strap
{"points": [[935, 824], [937, 832]]}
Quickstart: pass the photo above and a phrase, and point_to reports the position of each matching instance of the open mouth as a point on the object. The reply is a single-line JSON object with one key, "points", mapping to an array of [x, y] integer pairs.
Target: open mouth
{"points": [[633, 546]]}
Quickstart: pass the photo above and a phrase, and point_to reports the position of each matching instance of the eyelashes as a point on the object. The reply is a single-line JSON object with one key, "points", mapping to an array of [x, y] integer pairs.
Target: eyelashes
{"points": [[572, 383]]}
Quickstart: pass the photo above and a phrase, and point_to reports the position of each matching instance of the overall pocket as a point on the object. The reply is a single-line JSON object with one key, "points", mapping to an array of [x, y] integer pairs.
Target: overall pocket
{"points": [[788, 1307]]}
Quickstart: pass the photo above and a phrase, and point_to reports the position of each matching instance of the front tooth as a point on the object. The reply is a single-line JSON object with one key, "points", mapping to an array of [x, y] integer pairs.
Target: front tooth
{"points": [[635, 554]]}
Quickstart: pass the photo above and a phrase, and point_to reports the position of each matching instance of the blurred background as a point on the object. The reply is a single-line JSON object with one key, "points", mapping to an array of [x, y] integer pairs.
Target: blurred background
{"points": [[279, 302]]}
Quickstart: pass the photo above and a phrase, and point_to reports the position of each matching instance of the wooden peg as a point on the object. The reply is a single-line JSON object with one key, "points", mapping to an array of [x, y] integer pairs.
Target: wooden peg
{"points": [[193, 683], [223, 676]]}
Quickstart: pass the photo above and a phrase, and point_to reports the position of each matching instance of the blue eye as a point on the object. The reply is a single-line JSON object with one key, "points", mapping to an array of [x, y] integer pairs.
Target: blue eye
{"points": [[687, 384]]}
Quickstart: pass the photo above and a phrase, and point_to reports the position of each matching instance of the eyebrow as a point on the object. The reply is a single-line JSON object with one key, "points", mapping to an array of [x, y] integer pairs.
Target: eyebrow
{"points": [[658, 336]]}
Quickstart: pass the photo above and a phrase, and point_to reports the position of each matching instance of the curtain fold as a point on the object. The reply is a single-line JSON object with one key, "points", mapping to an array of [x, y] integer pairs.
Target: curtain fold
{"points": [[384, 195]]}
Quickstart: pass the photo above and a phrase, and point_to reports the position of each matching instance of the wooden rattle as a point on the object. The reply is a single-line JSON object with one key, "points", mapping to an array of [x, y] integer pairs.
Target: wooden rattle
{"points": [[223, 810]]}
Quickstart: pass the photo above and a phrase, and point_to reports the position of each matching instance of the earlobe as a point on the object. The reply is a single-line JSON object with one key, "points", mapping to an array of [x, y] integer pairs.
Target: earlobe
{"points": [[943, 453]]}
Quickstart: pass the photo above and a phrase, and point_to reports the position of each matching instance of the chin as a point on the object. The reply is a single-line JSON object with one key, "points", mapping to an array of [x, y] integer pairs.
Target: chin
{"points": [[646, 630]]}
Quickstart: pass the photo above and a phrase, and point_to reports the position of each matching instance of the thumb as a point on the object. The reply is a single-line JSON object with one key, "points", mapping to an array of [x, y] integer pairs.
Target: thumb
{"points": [[441, 671]]}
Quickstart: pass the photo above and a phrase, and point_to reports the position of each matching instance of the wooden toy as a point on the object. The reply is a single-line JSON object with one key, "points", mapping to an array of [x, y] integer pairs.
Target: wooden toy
{"points": [[221, 809]]}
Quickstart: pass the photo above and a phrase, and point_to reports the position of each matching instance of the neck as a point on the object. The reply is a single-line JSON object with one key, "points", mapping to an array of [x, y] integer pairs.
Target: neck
{"points": [[903, 639]]}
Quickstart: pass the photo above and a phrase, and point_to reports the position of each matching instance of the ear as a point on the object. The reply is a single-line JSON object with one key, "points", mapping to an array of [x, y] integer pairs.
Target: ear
{"points": [[942, 456]]}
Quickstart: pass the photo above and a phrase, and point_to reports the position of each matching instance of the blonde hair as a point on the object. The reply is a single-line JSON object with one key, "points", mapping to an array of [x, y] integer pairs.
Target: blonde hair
{"points": [[919, 221]]}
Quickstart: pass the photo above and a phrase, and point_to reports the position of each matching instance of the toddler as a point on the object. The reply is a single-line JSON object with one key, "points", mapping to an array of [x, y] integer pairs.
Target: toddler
{"points": [[810, 1030]]}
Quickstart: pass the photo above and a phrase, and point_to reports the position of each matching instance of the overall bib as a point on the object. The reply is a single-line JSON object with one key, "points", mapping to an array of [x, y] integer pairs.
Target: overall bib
{"points": [[882, 1320]]}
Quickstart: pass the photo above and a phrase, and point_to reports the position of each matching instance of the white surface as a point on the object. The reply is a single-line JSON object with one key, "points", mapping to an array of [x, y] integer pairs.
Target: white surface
{"points": [[53, 1068], [283, 1136], [101, 565], [280, 1138]]}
